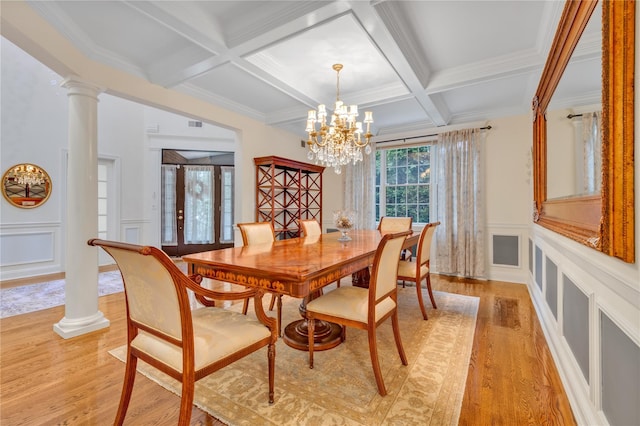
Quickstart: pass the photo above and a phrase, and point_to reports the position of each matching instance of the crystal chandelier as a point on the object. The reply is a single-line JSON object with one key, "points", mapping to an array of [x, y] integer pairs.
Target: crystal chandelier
{"points": [[27, 174], [341, 142]]}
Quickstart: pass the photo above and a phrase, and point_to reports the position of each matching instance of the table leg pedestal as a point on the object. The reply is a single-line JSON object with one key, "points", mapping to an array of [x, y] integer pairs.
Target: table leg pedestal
{"points": [[327, 335]]}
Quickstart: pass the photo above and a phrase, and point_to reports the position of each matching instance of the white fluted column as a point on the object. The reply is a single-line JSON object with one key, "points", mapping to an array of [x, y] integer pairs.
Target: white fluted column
{"points": [[81, 269]]}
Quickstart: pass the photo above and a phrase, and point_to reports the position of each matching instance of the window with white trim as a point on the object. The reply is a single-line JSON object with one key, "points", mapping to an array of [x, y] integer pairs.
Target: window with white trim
{"points": [[403, 183]]}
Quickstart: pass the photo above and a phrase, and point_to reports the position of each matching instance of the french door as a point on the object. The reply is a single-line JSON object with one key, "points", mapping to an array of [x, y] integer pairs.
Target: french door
{"points": [[196, 203]]}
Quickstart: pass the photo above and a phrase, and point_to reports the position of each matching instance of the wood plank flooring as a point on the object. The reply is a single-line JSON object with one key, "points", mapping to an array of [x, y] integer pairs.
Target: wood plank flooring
{"points": [[49, 380]]}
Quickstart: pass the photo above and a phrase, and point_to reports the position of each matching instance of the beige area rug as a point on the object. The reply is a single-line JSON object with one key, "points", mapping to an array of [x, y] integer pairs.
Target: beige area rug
{"points": [[341, 389]]}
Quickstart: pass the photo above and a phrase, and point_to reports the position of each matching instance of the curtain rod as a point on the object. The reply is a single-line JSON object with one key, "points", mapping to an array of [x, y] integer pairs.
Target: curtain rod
{"points": [[574, 115], [423, 136]]}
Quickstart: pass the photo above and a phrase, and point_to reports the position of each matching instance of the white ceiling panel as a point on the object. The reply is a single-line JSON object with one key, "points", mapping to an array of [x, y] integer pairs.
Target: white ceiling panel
{"points": [[233, 83], [415, 64]]}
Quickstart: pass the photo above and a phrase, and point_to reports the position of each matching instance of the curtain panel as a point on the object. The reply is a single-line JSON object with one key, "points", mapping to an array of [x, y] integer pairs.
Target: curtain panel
{"points": [[460, 240], [359, 191], [591, 152]]}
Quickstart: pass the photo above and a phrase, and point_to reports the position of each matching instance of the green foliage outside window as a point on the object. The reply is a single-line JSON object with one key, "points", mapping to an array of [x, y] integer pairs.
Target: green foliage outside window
{"points": [[403, 185]]}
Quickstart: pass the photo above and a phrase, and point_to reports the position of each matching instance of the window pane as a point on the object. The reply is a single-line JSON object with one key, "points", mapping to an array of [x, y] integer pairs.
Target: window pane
{"points": [[412, 211], [401, 195], [391, 158], [403, 185], [198, 204], [391, 210], [412, 194], [391, 195], [412, 174], [413, 156], [226, 231], [401, 159], [391, 176], [169, 232], [423, 194], [401, 175], [423, 213]]}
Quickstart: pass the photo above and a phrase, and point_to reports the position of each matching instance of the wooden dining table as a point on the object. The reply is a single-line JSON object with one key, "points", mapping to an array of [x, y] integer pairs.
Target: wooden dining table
{"points": [[297, 267]]}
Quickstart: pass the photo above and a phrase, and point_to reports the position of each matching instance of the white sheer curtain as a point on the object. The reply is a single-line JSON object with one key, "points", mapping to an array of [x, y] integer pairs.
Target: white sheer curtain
{"points": [[460, 239], [198, 205], [359, 190], [592, 152]]}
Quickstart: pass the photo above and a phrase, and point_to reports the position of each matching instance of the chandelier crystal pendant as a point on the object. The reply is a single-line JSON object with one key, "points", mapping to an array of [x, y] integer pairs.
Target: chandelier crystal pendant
{"points": [[341, 141]]}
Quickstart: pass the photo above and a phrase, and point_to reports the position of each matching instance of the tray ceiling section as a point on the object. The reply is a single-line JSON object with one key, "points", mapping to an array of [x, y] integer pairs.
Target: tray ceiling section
{"points": [[415, 64]]}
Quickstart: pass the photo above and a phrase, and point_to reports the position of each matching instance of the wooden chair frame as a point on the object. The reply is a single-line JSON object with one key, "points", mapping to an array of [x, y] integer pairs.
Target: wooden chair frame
{"points": [[371, 324], [422, 259], [189, 374]]}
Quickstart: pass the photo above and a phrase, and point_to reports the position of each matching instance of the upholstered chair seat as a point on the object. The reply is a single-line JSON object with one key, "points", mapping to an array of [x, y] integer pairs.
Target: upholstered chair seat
{"points": [[210, 325], [408, 269]]}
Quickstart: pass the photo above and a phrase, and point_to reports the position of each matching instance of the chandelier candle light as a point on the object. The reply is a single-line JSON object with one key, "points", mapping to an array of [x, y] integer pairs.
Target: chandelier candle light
{"points": [[341, 142], [27, 174]]}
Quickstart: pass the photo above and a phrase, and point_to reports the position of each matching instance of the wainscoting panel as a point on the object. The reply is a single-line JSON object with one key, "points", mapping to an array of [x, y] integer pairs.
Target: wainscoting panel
{"points": [[620, 366], [575, 323], [530, 256], [589, 307], [506, 251], [538, 275], [21, 249], [551, 291], [29, 250]]}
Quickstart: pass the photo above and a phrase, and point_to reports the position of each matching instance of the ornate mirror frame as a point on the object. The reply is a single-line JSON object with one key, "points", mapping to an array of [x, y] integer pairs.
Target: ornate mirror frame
{"points": [[26, 185], [604, 222]]}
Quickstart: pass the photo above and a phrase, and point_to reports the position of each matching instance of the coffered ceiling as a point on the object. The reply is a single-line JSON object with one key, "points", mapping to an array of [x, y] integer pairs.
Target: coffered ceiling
{"points": [[415, 64]]}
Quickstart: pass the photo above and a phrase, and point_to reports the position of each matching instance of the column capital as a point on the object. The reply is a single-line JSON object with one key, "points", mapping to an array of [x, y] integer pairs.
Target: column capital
{"points": [[77, 86]]}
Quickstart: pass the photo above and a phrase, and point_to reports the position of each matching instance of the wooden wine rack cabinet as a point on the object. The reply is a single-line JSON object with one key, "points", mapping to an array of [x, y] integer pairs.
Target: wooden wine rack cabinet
{"points": [[287, 191]]}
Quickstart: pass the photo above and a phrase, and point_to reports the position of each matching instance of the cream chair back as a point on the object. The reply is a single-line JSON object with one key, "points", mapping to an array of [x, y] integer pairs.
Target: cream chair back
{"points": [[395, 224], [424, 245], [152, 296], [385, 266], [310, 227], [256, 233]]}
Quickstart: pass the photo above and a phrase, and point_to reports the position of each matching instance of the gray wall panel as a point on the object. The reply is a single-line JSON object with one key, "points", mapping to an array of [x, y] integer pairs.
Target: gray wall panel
{"points": [[620, 363], [506, 250], [575, 315], [539, 267], [530, 253], [552, 287]]}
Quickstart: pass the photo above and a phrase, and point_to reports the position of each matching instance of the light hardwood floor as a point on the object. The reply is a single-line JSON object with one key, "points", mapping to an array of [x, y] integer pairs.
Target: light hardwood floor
{"points": [[48, 380]]}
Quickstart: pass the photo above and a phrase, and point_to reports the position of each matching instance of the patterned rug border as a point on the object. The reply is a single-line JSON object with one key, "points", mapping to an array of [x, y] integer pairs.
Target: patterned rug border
{"points": [[408, 399]]}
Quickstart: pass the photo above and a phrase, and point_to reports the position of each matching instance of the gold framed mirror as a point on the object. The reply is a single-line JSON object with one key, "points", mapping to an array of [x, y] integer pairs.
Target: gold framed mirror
{"points": [[26, 185], [604, 220]]}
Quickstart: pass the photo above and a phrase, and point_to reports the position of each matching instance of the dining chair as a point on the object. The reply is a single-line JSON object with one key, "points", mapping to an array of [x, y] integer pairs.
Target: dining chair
{"points": [[396, 224], [164, 332], [310, 227], [364, 308], [254, 233], [418, 269]]}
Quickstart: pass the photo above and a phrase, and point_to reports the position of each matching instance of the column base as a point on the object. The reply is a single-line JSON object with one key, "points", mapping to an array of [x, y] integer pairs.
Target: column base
{"points": [[68, 328]]}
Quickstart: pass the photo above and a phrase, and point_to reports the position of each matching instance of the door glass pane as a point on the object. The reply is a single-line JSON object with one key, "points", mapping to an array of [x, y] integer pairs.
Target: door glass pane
{"points": [[226, 218], [169, 232], [102, 201], [198, 204]]}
